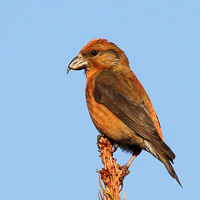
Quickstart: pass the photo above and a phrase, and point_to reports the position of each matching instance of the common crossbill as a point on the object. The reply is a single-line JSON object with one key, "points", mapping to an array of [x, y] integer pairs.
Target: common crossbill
{"points": [[118, 104]]}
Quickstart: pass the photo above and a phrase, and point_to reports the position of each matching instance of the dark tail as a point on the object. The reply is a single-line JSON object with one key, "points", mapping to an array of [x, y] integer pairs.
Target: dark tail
{"points": [[166, 161]]}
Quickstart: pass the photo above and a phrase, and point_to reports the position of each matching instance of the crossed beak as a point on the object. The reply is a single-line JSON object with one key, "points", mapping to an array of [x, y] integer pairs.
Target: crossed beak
{"points": [[77, 63]]}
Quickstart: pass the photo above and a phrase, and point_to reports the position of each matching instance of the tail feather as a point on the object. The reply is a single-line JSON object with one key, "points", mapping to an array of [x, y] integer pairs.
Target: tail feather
{"points": [[165, 160]]}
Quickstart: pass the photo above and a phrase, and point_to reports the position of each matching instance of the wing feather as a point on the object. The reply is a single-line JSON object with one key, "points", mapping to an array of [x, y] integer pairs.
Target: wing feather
{"points": [[135, 115]]}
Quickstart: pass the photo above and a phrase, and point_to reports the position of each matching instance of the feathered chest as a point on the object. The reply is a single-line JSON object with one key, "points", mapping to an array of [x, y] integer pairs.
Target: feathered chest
{"points": [[104, 120]]}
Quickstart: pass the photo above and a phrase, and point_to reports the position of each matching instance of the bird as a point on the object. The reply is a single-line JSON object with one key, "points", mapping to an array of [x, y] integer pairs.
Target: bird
{"points": [[118, 104]]}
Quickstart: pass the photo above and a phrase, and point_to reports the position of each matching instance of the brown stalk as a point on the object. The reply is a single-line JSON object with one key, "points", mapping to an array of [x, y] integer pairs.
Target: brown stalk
{"points": [[112, 174]]}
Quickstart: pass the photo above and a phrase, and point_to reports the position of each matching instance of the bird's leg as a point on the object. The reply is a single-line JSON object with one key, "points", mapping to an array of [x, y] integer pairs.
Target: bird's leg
{"points": [[127, 165], [134, 155], [115, 147]]}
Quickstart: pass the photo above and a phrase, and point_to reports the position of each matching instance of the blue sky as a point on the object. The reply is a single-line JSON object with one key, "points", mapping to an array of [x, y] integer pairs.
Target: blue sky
{"points": [[47, 139]]}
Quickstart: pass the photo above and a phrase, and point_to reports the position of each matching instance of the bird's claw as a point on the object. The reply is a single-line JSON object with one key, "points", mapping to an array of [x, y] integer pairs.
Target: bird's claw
{"points": [[125, 172], [99, 136], [115, 147]]}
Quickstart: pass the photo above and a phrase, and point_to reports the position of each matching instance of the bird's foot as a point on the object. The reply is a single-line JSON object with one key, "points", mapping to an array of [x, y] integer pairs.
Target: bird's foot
{"points": [[100, 136], [115, 147], [125, 172]]}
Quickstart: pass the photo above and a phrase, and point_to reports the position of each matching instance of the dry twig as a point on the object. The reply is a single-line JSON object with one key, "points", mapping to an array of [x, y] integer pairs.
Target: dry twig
{"points": [[112, 174]]}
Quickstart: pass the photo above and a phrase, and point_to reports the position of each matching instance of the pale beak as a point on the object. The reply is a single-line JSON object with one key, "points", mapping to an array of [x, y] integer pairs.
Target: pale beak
{"points": [[77, 63]]}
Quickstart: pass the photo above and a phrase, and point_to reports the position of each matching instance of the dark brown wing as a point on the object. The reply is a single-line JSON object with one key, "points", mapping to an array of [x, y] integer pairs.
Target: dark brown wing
{"points": [[135, 115]]}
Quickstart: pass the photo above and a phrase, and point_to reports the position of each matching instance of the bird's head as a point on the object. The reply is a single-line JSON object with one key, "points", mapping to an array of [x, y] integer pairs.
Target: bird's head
{"points": [[97, 55]]}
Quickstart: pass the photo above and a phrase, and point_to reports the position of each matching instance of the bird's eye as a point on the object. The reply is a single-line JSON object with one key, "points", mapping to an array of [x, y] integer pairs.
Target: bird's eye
{"points": [[94, 52]]}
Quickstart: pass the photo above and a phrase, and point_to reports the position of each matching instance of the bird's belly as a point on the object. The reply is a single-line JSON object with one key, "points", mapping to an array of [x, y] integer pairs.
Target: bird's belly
{"points": [[111, 126]]}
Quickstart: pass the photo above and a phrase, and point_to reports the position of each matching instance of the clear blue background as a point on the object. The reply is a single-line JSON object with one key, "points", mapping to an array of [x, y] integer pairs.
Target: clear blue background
{"points": [[47, 139]]}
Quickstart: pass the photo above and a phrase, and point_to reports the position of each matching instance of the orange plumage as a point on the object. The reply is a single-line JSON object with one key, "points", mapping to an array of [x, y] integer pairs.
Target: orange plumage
{"points": [[118, 104]]}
